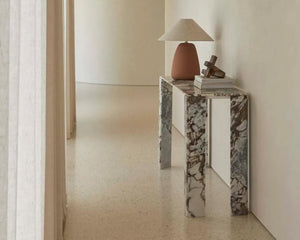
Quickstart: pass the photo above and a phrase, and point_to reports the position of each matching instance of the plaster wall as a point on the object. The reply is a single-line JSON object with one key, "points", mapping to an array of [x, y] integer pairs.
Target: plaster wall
{"points": [[257, 43], [116, 41]]}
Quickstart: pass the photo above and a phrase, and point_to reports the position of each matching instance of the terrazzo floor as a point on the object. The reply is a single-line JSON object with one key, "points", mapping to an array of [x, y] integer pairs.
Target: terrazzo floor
{"points": [[114, 186]]}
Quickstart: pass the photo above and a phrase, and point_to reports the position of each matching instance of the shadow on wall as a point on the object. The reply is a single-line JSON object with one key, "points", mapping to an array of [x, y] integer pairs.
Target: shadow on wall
{"points": [[257, 43]]}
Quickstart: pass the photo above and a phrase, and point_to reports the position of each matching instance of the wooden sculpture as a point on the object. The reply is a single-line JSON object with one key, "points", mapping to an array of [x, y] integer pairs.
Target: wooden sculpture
{"points": [[212, 70]]}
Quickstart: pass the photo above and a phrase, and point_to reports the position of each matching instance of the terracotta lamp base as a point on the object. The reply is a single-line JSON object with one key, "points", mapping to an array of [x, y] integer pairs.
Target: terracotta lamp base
{"points": [[185, 63]]}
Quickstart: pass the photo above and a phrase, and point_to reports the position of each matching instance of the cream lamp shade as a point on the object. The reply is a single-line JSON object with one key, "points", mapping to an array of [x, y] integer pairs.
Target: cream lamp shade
{"points": [[186, 30], [185, 63]]}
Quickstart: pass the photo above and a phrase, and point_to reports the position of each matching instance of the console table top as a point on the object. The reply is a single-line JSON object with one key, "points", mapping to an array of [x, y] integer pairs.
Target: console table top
{"points": [[188, 88]]}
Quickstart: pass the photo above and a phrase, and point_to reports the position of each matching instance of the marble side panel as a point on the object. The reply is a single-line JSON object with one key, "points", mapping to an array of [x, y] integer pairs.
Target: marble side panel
{"points": [[165, 124], [239, 154], [196, 155]]}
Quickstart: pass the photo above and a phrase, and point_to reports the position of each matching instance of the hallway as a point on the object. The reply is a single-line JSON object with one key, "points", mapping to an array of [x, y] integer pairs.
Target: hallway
{"points": [[114, 186]]}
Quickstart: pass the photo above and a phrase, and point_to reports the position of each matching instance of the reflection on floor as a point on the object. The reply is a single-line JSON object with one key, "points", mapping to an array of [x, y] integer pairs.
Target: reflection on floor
{"points": [[115, 189]]}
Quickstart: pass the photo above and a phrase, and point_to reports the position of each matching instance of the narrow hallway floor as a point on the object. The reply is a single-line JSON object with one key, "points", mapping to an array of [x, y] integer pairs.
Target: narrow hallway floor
{"points": [[114, 186]]}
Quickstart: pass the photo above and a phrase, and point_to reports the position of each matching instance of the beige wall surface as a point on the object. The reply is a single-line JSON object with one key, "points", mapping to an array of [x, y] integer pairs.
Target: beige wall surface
{"points": [[116, 41], [257, 43], [69, 67], [55, 185]]}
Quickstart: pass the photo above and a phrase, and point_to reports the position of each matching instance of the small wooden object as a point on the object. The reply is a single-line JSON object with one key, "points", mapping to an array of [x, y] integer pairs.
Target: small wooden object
{"points": [[212, 70]]}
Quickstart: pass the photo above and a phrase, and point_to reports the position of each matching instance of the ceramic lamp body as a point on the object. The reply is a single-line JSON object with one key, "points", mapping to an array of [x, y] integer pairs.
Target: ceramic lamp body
{"points": [[185, 63]]}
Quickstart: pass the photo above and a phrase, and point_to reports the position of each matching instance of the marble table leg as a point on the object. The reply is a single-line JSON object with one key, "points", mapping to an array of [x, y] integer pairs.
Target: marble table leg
{"points": [[165, 124], [196, 155], [239, 154]]}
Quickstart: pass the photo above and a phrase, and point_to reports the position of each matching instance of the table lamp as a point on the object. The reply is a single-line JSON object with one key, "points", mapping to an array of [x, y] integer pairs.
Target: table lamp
{"points": [[185, 63]]}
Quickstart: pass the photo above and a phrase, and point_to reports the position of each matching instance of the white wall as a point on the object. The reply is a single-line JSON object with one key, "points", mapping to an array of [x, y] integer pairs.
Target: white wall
{"points": [[116, 41], [220, 138], [257, 42]]}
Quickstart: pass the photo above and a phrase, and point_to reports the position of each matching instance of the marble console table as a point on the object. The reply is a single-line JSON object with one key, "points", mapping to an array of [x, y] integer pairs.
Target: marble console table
{"points": [[196, 132]]}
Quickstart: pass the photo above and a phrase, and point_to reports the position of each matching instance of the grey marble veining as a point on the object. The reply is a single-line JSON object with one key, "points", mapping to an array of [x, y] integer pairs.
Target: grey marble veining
{"points": [[239, 155], [196, 154], [196, 101], [165, 124]]}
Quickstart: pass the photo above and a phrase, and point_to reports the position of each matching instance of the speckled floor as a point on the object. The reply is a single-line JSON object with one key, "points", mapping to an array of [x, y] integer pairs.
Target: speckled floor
{"points": [[115, 188]]}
